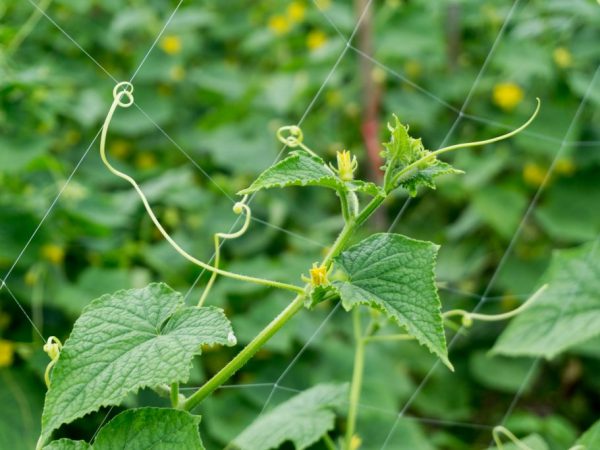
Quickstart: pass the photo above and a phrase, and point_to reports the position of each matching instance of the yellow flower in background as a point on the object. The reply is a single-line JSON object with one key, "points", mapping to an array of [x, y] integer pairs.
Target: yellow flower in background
{"points": [[296, 11], [120, 148], [534, 174], [565, 166], [7, 353], [507, 95], [316, 39], [145, 160], [53, 253], [562, 57], [378, 75], [171, 44], [355, 442], [31, 277], [413, 68], [279, 24]]}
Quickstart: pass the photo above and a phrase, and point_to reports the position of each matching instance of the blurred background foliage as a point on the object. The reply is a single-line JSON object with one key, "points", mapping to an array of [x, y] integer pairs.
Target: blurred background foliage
{"points": [[209, 97]]}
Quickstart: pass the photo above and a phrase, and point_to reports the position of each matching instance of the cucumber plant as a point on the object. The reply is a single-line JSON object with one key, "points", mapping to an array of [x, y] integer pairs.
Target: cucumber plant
{"points": [[147, 338]]}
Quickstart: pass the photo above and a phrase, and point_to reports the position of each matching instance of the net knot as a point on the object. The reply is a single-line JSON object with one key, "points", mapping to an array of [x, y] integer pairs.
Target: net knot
{"points": [[124, 89]]}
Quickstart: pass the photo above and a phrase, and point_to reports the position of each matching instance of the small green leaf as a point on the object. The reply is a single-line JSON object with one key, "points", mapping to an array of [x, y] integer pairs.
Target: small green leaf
{"points": [[591, 438], [400, 152], [567, 312], [150, 428], [126, 341], [366, 187], [395, 274], [298, 169], [303, 420], [68, 444]]}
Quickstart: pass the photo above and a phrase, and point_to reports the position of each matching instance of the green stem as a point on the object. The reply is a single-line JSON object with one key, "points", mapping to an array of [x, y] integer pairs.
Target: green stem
{"points": [[389, 337], [329, 442], [357, 375], [369, 209], [242, 357], [28, 27], [174, 395]]}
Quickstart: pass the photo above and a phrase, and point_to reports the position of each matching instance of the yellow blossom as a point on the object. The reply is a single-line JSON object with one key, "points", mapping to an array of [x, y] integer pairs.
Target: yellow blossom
{"points": [[355, 442], [296, 11], [413, 68], [316, 39], [533, 174], [145, 160], [279, 24], [53, 253], [378, 75], [7, 353], [562, 57], [318, 275], [507, 95], [120, 148], [346, 165], [565, 166], [31, 277], [171, 44]]}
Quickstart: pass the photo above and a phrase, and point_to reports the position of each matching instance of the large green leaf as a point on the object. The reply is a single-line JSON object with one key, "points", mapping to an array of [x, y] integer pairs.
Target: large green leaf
{"points": [[591, 438], [303, 420], [298, 169], [567, 312], [142, 429], [126, 341], [395, 274]]}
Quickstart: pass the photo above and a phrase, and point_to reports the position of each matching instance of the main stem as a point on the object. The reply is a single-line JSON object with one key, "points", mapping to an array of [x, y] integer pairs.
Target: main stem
{"points": [[357, 375], [256, 344]]}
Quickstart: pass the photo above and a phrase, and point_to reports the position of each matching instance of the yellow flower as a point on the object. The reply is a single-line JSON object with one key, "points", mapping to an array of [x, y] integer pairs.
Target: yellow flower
{"points": [[378, 75], [145, 160], [318, 275], [53, 253], [279, 24], [507, 95], [346, 165], [316, 39], [533, 174], [171, 44], [355, 442], [565, 167], [31, 277], [7, 353], [296, 11], [120, 148], [562, 57], [413, 68]]}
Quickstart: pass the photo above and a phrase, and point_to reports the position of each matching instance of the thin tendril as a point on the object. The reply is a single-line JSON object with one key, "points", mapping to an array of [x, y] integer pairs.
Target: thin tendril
{"points": [[239, 208], [497, 431], [52, 347], [468, 316], [122, 90], [434, 154]]}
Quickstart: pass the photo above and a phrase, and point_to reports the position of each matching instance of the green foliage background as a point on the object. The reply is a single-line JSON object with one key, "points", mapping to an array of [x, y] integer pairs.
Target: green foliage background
{"points": [[211, 94]]}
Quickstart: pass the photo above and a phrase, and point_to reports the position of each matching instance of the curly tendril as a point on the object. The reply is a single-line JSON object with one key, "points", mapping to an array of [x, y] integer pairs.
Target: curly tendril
{"points": [[123, 97], [52, 348]]}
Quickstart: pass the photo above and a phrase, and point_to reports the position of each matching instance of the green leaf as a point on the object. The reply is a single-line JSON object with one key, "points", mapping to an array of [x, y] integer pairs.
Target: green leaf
{"points": [[591, 438], [150, 428], [366, 187], [142, 429], [298, 169], [395, 274], [567, 312], [68, 444], [403, 150], [126, 341], [303, 420]]}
